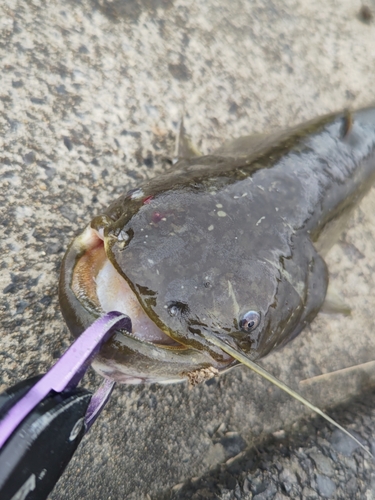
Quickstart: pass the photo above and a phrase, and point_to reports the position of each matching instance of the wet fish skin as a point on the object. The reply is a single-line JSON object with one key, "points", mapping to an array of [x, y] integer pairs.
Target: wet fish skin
{"points": [[243, 229]]}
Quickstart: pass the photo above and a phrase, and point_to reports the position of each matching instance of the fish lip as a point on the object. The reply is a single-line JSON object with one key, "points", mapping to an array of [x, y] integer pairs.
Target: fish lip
{"points": [[75, 315]]}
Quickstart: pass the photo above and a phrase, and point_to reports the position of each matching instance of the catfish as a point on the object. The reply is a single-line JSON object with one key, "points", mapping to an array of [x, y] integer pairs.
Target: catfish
{"points": [[220, 260]]}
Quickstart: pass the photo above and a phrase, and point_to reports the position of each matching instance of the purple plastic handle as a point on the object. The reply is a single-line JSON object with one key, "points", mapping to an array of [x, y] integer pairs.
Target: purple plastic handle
{"points": [[98, 401], [68, 370]]}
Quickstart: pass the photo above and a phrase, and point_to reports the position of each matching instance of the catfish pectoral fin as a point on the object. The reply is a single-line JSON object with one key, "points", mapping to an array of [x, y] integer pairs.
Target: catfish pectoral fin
{"points": [[334, 303]]}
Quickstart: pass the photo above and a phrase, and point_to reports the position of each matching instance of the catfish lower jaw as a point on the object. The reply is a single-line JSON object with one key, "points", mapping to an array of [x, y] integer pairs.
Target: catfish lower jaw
{"points": [[90, 286]]}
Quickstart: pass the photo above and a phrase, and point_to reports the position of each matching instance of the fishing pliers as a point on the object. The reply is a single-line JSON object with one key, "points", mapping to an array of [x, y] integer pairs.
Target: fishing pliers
{"points": [[44, 418]]}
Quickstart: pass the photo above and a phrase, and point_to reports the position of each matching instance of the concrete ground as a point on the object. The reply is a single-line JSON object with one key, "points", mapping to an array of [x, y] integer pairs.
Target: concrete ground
{"points": [[90, 95]]}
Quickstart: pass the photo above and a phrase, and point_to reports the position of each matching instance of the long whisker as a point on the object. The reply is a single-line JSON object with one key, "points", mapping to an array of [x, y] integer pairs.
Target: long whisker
{"points": [[242, 358]]}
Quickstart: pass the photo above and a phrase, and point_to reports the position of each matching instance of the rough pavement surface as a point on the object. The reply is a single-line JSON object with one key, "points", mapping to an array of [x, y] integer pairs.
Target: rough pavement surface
{"points": [[305, 461], [91, 93]]}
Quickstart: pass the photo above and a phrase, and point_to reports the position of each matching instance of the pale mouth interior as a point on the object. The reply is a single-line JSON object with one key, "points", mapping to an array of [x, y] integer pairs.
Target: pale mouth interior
{"points": [[100, 288]]}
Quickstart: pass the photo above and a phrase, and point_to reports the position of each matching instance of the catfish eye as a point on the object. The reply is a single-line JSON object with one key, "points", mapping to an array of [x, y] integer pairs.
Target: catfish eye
{"points": [[249, 321], [177, 308]]}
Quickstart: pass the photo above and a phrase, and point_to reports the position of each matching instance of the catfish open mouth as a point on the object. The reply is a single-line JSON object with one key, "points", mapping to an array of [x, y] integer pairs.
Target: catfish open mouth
{"points": [[90, 285], [100, 288]]}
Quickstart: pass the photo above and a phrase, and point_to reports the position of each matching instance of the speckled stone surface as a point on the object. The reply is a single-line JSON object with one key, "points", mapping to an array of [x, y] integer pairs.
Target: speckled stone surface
{"points": [[307, 461], [90, 96]]}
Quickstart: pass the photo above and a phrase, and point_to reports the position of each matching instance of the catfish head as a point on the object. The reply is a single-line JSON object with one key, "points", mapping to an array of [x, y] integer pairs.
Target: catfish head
{"points": [[185, 267]]}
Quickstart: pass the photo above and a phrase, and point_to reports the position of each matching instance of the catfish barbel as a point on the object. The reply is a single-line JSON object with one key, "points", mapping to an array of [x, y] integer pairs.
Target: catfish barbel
{"points": [[220, 261]]}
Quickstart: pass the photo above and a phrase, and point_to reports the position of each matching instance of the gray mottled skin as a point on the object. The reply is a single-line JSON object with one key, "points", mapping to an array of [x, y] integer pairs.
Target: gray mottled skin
{"points": [[236, 231]]}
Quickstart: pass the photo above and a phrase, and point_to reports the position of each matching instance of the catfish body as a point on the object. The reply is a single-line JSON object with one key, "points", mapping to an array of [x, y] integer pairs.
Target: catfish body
{"points": [[217, 240]]}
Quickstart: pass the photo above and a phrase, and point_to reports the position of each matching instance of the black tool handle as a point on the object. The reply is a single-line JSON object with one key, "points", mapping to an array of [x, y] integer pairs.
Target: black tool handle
{"points": [[36, 454]]}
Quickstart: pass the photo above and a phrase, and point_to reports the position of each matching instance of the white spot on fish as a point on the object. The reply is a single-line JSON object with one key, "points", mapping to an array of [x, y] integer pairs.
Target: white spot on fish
{"points": [[260, 220], [210, 228], [123, 236], [137, 194], [164, 218], [221, 214]]}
